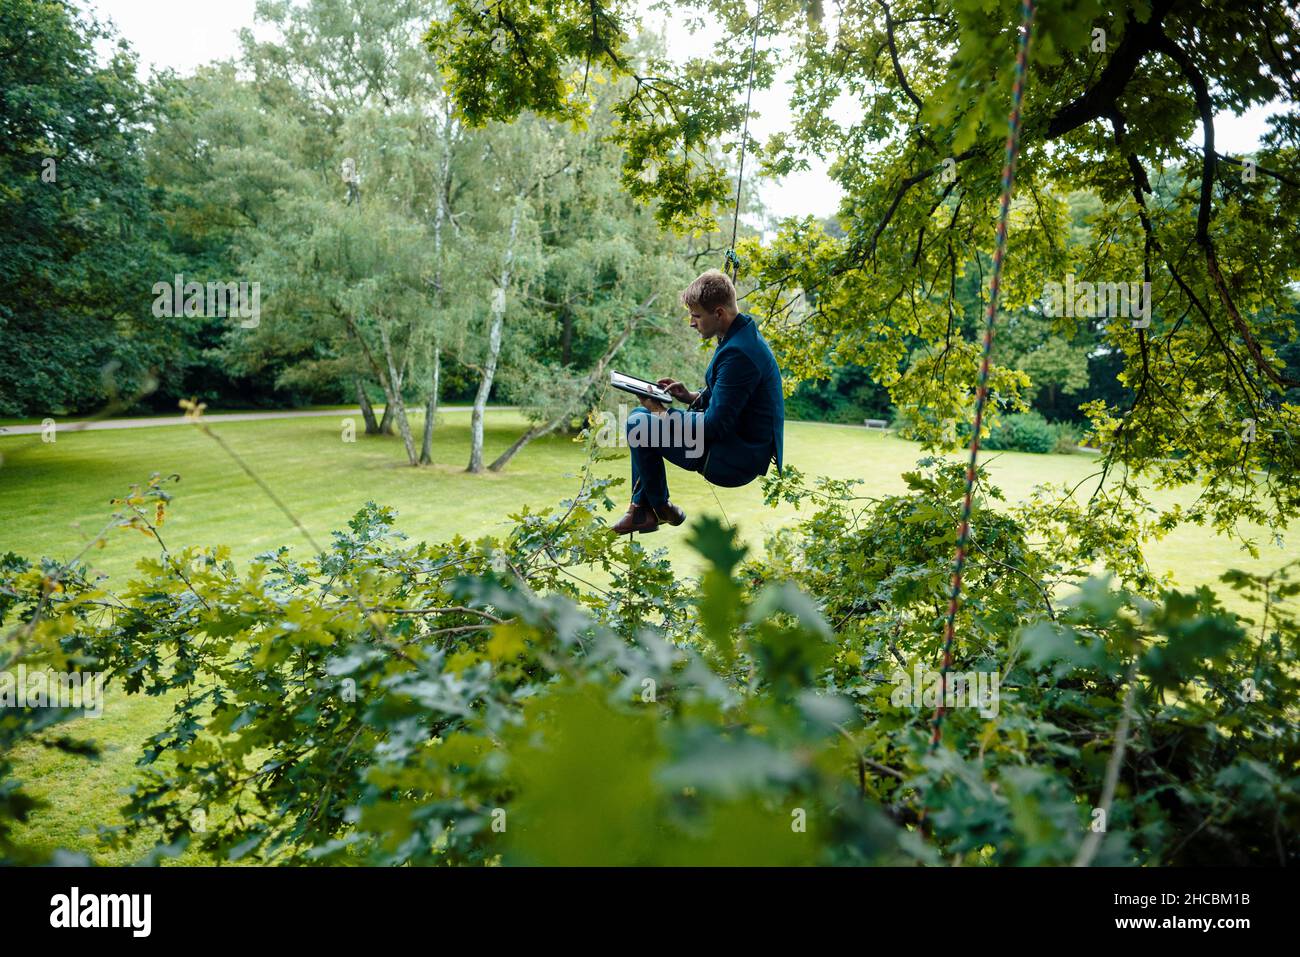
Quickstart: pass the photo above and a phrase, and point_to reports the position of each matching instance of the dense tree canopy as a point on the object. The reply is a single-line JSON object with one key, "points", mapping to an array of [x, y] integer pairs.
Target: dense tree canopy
{"points": [[77, 246]]}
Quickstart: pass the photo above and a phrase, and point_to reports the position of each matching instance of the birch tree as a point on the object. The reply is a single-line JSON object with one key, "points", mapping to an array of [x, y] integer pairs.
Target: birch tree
{"points": [[496, 320], [441, 222], [351, 74]]}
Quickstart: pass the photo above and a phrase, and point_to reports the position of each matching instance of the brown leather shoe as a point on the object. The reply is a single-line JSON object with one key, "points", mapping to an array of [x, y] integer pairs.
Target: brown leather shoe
{"points": [[670, 513], [639, 518]]}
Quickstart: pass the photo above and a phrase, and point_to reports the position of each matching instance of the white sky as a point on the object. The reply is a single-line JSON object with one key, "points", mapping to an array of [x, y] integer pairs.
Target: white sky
{"points": [[183, 34]]}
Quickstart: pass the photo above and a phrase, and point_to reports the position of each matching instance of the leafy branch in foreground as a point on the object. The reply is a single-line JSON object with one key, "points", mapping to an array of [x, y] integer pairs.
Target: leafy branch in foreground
{"points": [[555, 697]]}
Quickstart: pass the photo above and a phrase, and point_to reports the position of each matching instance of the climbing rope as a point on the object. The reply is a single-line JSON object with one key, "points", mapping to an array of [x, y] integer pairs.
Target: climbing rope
{"points": [[981, 395], [719, 503], [732, 266]]}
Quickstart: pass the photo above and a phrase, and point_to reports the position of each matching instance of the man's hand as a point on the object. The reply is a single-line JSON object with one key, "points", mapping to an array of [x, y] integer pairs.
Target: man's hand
{"points": [[677, 390], [656, 407]]}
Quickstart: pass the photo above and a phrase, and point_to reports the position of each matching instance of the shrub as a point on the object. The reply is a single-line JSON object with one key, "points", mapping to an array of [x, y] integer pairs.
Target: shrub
{"points": [[1022, 432], [1068, 438]]}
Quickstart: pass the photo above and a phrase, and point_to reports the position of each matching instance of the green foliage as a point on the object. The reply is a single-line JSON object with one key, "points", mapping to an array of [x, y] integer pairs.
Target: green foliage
{"points": [[468, 703], [24, 647], [848, 396], [503, 57], [1068, 438], [77, 254], [41, 605], [1023, 432], [506, 57]]}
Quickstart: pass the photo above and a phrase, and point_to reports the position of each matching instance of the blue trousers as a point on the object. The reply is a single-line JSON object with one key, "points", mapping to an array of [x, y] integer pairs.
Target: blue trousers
{"points": [[676, 437]]}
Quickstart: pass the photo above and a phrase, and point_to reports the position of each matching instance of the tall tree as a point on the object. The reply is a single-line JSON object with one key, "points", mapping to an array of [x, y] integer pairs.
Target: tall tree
{"points": [[519, 160], [222, 160], [78, 256]]}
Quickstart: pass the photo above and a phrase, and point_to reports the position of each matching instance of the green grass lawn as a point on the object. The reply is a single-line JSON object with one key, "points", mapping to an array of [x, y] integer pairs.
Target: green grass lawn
{"points": [[55, 497]]}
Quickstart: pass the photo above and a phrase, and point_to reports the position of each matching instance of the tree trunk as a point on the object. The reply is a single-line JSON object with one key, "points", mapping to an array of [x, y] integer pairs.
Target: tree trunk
{"points": [[566, 338], [393, 390], [393, 404], [494, 347], [431, 410], [439, 219], [524, 439], [367, 410]]}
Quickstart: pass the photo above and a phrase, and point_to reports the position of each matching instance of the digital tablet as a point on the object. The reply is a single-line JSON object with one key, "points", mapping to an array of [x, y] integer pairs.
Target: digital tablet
{"points": [[639, 387]]}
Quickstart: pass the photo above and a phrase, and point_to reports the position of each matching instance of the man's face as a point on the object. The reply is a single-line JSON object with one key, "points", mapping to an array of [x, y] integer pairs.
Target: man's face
{"points": [[708, 322]]}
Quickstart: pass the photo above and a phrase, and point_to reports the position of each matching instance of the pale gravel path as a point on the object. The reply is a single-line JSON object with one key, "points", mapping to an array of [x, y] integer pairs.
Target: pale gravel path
{"points": [[150, 423]]}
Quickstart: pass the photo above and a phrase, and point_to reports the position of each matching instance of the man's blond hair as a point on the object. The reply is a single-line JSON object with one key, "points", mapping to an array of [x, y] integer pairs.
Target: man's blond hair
{"points": [[711, 290]]}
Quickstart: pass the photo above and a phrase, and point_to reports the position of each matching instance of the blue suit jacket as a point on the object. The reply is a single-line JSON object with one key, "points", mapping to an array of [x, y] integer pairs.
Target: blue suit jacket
{"points": [[744, 410]]}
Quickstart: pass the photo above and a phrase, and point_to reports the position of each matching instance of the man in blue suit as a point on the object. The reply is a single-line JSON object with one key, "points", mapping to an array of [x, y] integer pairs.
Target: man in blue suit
{"points": [[734, 427]]}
